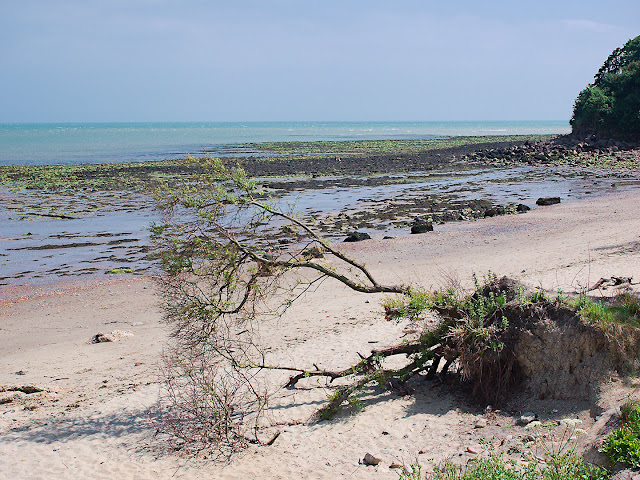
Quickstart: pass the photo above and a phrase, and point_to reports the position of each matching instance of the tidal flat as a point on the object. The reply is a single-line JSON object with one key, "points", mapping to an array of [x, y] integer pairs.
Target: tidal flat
{"points": [[71, 220]]}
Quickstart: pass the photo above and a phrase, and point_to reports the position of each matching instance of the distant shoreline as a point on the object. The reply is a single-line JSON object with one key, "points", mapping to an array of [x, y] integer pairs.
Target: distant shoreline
{"points": [[93, 143]]}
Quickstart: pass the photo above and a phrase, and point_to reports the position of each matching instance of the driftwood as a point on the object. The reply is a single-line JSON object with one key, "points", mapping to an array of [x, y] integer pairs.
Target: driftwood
{"points": [[615, 282]]}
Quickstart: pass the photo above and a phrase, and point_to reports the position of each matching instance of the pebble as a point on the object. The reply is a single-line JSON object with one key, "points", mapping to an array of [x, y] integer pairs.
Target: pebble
{"points": [[481, 423], [527, 418], [370, 460]]}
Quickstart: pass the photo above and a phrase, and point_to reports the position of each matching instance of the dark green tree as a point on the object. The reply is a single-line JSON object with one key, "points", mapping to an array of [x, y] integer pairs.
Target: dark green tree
{"points": [[611, 104]]}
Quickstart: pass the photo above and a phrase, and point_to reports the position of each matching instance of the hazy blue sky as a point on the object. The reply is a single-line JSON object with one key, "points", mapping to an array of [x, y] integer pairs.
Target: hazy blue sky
{"points": [[184, 60]]}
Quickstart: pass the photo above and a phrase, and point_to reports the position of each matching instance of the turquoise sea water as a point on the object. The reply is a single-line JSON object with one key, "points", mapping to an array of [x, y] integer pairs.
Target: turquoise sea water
{"points": [[72, 143]]}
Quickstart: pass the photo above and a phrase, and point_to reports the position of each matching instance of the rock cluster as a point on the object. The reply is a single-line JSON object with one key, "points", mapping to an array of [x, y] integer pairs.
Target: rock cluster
{"points": [[556, 150]]}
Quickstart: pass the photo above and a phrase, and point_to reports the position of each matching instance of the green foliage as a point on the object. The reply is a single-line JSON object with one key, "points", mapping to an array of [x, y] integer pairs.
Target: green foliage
{"points": [[558, 462], [538, 296], [482, 325], [478, 326], [561, 298], [355, 402], [408, 306], [624, 309], [611, 104], [413, 472], [627, 305], [592, 311], [623, 444], [497, 467], [592, 110], [479, 323]]}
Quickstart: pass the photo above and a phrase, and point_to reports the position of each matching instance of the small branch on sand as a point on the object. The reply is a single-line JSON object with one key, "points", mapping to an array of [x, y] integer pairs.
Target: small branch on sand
{"points": [[615, 282]]}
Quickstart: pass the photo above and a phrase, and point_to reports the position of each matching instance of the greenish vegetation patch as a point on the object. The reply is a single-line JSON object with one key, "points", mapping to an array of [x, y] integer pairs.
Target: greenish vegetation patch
{"points": [[120, 270], [293, 158], [623, 309], [361, 147], [497, 467], [623, 444]]}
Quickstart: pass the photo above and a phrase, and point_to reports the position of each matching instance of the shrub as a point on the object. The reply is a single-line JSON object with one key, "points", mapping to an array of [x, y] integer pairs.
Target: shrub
{"points": [[623, 444]]}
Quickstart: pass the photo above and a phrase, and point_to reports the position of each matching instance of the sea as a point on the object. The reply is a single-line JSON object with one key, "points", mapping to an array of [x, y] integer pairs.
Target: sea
{"points": [[76, 143]]}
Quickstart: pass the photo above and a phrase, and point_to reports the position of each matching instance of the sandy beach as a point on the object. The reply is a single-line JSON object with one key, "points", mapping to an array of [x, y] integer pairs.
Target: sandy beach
{"points": [[90, 417]]}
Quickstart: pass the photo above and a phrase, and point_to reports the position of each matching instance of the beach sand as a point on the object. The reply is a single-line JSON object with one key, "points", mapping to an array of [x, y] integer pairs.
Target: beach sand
{"points": [[91, 419]]}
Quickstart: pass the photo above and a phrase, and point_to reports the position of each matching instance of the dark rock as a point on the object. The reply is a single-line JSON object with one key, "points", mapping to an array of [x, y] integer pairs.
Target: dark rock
{"points": [[28, 389], [451, 216], [357, 237], [527, 418], [522, 208], [421, 226], [542, 201], [388, 237], [370, 460], [495, 211]]}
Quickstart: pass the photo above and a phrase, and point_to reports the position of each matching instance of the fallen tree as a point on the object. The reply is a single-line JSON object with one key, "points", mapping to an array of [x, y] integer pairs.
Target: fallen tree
{"points": [[234, 257], [226, 268]]}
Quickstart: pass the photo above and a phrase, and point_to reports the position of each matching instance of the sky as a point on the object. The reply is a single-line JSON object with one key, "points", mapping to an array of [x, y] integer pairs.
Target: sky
{"points": [[302, 60]]}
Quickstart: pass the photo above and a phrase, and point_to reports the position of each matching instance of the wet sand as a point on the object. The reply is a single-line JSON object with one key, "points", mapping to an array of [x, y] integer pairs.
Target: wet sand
{"points": [[48, 237]]}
